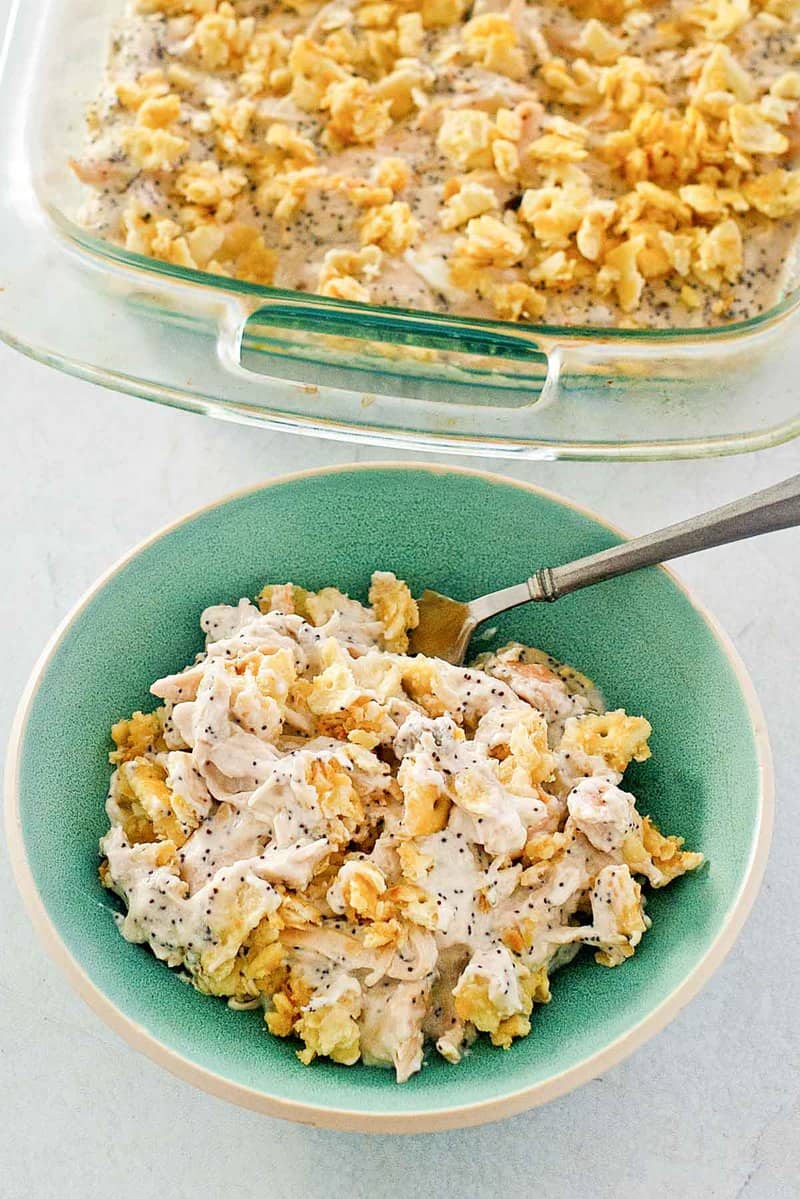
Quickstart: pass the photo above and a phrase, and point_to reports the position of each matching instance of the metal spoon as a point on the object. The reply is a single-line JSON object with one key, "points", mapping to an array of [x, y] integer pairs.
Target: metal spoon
{"points": [[446, 625]]}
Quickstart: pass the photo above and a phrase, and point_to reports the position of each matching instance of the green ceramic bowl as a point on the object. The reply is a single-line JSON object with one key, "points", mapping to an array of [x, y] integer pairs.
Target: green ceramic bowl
{"points": [[647, 644]]}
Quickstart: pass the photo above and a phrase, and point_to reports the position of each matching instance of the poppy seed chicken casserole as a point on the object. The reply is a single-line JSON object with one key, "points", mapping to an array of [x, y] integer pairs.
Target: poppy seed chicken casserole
{"points": [[378, 850], [602, 162]]}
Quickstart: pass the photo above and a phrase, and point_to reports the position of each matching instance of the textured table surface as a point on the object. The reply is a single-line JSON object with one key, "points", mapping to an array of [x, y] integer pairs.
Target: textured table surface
{"points": [[709, 1108]]}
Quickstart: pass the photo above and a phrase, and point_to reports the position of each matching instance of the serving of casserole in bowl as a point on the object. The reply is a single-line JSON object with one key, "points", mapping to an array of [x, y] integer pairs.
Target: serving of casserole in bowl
{"points": [[381, 860], [528, 229]]}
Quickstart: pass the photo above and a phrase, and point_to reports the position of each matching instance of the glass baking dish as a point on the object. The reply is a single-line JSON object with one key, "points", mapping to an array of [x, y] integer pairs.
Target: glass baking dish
{"points": [[329, 367]]}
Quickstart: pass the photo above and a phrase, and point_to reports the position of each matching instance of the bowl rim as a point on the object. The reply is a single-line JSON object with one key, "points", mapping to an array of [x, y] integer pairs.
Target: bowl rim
{"points": [[462, 1115]]}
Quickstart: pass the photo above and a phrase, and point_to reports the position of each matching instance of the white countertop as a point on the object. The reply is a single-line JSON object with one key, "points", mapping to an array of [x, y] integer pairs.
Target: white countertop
{"points": [[709, 1108]]}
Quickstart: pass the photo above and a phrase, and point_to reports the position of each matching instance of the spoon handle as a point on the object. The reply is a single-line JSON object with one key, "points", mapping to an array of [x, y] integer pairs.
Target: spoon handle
{"points": [[777, 507]]}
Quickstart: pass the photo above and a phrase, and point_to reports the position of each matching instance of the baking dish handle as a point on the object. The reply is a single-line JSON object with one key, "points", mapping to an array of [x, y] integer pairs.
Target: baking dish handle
{"points": [[322, 322]]}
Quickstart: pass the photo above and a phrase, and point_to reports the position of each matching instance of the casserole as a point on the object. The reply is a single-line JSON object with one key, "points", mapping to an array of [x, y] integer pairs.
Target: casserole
{"points": [[332, 367]]}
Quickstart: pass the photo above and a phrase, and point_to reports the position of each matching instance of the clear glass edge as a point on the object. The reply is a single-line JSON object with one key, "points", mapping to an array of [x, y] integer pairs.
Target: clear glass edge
{"points": [[422, 442], [505, 331]]}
